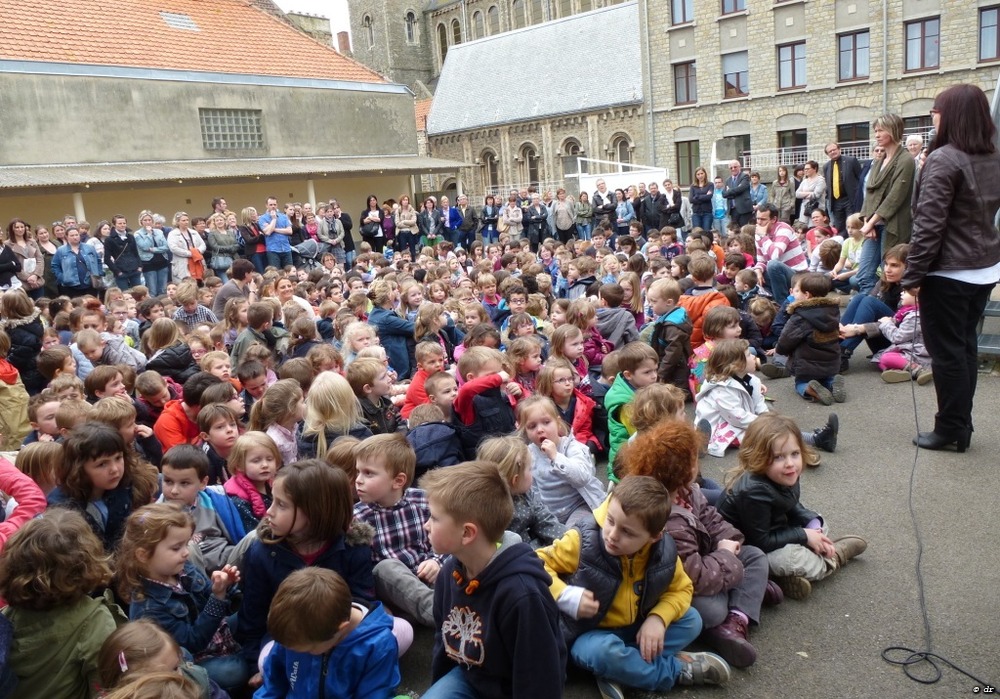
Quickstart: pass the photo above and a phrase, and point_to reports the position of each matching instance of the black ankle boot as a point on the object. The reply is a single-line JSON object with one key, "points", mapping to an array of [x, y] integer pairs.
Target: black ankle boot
{"points": [[936, 442]]}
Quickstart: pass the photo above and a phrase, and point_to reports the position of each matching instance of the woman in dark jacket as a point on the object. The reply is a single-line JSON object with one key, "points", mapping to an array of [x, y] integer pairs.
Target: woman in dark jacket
{"points": [[534, 222], [429, 224], [9, 265], [954, 258], [371, 224], [253, 239]]}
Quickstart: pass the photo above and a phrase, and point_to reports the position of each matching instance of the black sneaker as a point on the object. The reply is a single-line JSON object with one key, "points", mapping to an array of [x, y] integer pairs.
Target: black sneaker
{"points": [[825, 437], [845, 363]]}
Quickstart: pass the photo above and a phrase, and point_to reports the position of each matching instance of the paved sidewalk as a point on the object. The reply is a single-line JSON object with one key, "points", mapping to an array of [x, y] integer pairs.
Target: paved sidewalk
{"points": [[830, 645]]}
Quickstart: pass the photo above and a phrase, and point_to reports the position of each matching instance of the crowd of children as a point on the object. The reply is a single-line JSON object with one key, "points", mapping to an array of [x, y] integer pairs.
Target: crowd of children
{"points": [[270, 497]]}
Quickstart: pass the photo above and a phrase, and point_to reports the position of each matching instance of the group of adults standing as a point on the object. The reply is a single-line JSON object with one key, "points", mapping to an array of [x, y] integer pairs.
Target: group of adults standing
{"points": [[945, 210]]}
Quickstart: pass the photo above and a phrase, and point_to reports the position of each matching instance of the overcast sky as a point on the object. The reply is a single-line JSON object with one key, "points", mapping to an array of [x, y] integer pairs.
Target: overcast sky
{"points": [[336, 10]]}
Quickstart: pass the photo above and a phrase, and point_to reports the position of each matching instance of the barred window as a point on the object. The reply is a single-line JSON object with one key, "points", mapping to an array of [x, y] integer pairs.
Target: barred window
{"points": [[231, 129]]}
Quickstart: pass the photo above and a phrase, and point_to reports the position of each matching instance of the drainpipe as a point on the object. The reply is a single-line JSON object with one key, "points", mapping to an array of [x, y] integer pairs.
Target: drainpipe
{"points": [[648, 87], [885, 56], [78, 210]]}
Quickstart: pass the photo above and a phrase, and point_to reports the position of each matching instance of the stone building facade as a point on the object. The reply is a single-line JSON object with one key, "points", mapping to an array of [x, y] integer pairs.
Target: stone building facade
{"points": [[773, 82]]}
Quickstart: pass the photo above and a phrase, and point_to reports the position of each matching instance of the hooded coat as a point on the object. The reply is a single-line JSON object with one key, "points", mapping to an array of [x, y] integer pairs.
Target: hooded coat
{"points": [[811, 338]]}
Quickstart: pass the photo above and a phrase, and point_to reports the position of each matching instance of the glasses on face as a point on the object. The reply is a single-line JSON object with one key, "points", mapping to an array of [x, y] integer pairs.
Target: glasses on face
{"points": [[564, 380]]}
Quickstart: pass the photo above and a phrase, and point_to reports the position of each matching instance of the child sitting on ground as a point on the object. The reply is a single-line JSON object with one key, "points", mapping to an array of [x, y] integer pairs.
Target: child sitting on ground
{"points": [[317, 624], [732, 397], [670, 334], [42, 411], [762, 501], [629, 629], [371, 383], [217, 524], [907, 358], [811, 340], [435, 440], [405, 568], [533, 521], [480, 405], [563, 468], [636, 369], [430, 360], [495, 582], [702, 297], [721, 323], [219, 429], [729, 578], [48, 571]]}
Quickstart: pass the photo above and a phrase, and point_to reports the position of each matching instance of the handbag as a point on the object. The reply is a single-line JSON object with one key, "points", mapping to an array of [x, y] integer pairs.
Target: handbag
{"points": [[675, 220]]}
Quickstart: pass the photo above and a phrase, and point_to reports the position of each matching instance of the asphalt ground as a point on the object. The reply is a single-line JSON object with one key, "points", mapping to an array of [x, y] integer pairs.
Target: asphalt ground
{"points": [[830, 645]]}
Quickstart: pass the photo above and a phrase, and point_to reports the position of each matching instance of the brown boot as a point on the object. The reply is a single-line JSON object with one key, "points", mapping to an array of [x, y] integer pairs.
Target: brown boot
{"points": [[794, 586], [847, 547], [729, 639]]}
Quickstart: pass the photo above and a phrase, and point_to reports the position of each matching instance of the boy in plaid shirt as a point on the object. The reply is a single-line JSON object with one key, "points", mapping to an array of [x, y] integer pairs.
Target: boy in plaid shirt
{"points": [[405, 565]]}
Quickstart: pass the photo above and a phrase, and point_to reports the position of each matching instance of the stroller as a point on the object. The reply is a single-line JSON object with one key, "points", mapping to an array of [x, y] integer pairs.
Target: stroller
{"points": [[309, 252]]}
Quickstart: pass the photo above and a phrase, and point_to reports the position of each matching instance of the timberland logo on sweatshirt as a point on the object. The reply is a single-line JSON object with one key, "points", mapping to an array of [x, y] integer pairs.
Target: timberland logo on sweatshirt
{"points": [[462, 633], [293, 676]]}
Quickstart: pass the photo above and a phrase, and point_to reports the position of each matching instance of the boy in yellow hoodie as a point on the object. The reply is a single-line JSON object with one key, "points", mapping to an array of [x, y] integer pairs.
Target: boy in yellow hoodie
{"points": [[625, 598]]}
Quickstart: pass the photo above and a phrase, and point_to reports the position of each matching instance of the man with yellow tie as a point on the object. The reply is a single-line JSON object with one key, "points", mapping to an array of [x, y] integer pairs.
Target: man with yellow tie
{"points": [[843, 193]]}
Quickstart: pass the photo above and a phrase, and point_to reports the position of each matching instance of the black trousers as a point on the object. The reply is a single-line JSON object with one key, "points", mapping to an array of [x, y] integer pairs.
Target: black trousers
{"points": [[949, 313]]}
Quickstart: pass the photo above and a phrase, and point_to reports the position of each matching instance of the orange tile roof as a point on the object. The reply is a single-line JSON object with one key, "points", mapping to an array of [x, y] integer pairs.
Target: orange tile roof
{"points": [[234, 37], [421, 108]]}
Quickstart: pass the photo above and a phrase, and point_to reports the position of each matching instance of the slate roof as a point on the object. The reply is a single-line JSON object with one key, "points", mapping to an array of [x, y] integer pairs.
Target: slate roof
{"points": [[231, 36], [566, 66]]}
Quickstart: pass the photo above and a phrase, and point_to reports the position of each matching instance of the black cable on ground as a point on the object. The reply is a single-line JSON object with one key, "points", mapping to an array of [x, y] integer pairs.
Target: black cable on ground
{"points": [[911, 659]]}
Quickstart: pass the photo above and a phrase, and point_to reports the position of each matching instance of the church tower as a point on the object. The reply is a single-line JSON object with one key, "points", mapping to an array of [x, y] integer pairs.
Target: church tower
{"points": [[391, 37]]}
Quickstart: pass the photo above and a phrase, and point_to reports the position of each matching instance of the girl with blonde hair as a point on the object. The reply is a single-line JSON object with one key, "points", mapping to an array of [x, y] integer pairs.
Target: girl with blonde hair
{"points": [[332, 411]]}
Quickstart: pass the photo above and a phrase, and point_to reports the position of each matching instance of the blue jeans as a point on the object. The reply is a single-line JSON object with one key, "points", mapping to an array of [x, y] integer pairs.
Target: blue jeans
{"points": [[221, 274], [489, 234], [156, 280], [612, 654], [454, 686], [128, 280], [583, 230], [871, 253], [800, 386], [863, 309], [778, 276], [279, 259], [720, 225], [230, 672], [703, 221]]}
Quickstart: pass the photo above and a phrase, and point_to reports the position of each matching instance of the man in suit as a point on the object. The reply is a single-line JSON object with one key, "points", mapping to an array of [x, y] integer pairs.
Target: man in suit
{"points": [[737, 190], [843, 177]]}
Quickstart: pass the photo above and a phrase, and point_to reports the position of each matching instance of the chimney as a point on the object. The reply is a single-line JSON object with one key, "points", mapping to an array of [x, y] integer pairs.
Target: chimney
{"points": [[344, 43]]}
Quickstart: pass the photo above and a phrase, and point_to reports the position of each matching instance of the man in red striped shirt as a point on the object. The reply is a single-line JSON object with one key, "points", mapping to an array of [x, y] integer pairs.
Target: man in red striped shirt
{"points": [[779, 253]]}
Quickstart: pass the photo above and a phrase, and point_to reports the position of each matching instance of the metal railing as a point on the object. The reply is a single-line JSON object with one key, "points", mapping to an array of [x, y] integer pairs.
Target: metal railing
{"points": [[771, 158]]}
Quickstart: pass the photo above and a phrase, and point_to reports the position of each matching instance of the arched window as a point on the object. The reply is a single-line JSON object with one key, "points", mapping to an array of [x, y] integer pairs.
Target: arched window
{"points": [[411, 27], [621, 149], [478, 25], [565, 8], [529, 165], [517, 11], [456, 32], [369, 28], [493, 20], [570, 150], [442, 42], [490, 171], [537, 13]]}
